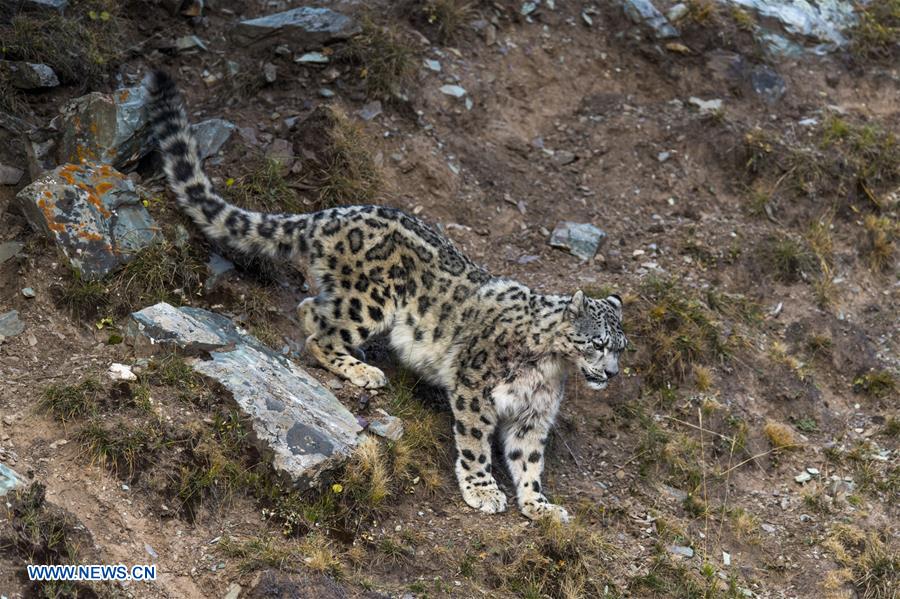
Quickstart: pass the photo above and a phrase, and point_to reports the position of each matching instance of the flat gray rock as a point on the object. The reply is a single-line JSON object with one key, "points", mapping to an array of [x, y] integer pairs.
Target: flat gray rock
{"points": [[644, 12], [580, 239], [28, 75], [9, 249], [211, 135], [9, 480], [106, 128], [387, 426], [10, 325], [304, 27], [92, 212], [297, 423], [10, 175]]}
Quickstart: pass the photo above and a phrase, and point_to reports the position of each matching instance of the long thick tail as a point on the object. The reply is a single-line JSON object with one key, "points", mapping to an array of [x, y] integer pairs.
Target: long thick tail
{"points": [[243, 230]]}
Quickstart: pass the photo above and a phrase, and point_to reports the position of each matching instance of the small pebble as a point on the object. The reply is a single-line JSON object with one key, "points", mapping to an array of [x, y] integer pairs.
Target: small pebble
{"points": [[28, 292]]}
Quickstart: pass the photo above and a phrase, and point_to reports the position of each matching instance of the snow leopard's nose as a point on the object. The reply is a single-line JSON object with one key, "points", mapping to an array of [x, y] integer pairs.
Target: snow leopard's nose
{"points": [[611, 371]]}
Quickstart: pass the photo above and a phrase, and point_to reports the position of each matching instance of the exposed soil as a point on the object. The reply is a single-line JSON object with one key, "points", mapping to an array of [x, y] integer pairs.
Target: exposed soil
{"points": [[494, 178]]}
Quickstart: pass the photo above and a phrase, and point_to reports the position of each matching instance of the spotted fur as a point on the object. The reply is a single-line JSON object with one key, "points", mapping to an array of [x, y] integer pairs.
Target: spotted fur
{"points": [[497, 347]]}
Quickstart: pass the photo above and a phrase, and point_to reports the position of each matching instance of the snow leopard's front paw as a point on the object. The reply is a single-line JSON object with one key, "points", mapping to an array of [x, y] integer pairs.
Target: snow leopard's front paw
{"points": [[365, 376], [539, 508], [489, 500]]}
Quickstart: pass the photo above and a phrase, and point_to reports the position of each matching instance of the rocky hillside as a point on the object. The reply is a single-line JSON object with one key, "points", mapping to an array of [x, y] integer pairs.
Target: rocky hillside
{"points": [[730, 167]]}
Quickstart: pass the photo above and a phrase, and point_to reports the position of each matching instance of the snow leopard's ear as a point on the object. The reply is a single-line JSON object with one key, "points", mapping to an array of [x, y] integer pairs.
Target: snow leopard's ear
{"points": [[616, 302], [576, 305]]}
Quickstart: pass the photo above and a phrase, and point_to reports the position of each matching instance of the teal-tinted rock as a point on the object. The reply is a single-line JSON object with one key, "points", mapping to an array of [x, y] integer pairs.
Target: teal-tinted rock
{"points": [[9, 480], [580, 239], [10, 325]]}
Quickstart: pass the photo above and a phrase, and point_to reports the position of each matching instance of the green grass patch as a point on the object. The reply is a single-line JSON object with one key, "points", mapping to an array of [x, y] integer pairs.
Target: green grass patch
{"points": [[673, 330], [264, 188], [876, 384], [80, 46], [382, 58], [876, 34], [786, 258], [69, 402]]}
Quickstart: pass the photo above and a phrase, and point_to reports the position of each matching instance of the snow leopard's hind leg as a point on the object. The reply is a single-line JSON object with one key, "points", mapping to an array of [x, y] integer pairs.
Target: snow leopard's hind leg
{"points": [[332, 341]]}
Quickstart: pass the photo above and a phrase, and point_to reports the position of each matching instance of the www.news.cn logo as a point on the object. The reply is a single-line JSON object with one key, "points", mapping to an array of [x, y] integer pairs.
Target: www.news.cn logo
{"points": [[90, 572]]}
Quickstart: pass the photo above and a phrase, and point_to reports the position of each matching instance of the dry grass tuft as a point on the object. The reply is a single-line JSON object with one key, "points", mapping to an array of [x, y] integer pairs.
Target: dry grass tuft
{"points": [[366, 477], [554, 560], [348, 174], [703, 377], [319, 555], [882, 234], [870, 564], [780, 435]]}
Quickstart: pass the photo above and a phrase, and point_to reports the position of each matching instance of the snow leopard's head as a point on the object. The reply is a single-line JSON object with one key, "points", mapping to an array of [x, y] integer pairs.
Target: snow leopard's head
{"points": [[594, 337]]}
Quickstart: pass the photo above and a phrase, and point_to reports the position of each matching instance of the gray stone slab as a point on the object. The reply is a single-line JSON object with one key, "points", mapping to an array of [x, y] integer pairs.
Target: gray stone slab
{"points": [[304, 27], [107, 128], [44, 5], [580, 239], [92, 212], [9, 249], [297, 423], [211, 135], [10, 175]]}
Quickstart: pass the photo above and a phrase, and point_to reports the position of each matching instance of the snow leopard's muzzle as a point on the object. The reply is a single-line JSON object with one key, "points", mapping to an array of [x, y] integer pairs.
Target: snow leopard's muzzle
{"points": [[599, 378]]}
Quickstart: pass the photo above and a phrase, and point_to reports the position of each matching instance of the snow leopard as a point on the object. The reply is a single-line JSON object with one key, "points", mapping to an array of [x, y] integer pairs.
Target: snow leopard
{"points": [[501, 350]]}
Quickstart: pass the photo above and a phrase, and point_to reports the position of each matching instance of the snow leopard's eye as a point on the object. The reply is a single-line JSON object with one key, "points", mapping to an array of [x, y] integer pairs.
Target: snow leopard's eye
{"points": [[598, 343]]}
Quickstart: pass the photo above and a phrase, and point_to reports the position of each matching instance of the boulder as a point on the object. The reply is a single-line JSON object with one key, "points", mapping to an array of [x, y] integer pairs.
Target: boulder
{"points": [[92, 212], [106, 128], [304, 27], [28, 75], [296, 422], [580, 239], [824, 23]]}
